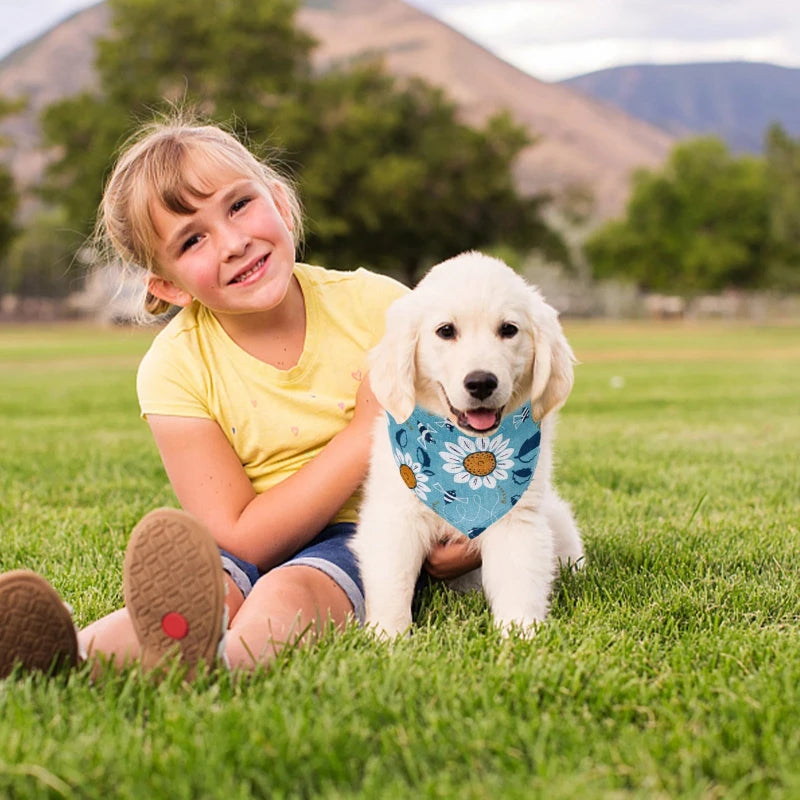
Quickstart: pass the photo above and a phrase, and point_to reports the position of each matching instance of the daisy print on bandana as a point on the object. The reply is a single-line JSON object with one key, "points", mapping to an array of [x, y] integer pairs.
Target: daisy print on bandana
{"points": [[412, 474], [478, 462]]}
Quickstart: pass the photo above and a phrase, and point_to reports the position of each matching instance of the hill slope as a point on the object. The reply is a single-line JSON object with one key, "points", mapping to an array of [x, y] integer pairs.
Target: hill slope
{"points": [[735, 100], [582, 142]]}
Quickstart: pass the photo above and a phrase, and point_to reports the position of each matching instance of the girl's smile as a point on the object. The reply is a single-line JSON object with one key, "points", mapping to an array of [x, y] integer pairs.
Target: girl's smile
{"points": [[250, 274]]}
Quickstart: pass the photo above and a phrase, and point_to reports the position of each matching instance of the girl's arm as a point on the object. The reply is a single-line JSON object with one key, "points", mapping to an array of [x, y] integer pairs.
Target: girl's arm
{"points": [[265, 528]]}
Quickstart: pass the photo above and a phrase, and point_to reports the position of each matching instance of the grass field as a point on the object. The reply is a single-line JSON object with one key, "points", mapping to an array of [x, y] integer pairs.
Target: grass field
{"points": [[670, 667]]}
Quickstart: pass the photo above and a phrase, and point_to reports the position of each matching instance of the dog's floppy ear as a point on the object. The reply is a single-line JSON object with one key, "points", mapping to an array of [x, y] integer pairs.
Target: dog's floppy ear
{"points": [[552, 359], [392, 370]]}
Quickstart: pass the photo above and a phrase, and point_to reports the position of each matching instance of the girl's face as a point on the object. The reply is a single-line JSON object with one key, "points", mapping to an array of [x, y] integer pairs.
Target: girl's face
{"points": [[234, 253]]}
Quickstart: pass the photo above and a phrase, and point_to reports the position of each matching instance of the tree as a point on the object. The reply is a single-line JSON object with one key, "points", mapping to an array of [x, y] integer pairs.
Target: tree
{"points": [[87, 130], [783, 181], [400, 182], [699, 225], [9, 199], [40, 259], [8, 210], [390, 177], [228, 55]]}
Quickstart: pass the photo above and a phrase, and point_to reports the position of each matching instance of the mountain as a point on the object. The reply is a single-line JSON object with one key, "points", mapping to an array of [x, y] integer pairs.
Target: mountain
{"points": [[582, 142], [734, 100], [54, 65]]}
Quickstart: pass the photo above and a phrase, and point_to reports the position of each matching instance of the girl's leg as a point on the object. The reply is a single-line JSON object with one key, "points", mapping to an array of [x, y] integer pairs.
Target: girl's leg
{"points": [[287, 605], [113, 637]]}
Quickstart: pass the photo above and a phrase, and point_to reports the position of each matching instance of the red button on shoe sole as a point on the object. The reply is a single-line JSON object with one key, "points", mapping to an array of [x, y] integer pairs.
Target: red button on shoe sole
{"points": [[174, 625]]}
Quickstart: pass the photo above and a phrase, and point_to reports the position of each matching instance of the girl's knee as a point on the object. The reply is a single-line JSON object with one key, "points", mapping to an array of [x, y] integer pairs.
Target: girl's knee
{"points": [[287, 606], [290, 586], [301, 589]]}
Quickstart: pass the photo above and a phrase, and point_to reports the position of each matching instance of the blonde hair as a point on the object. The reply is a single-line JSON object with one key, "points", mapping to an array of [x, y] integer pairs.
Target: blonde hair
{"points": [[164, 162]]}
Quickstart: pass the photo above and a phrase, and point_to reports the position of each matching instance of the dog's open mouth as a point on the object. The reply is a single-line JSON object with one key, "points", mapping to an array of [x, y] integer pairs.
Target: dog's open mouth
{"points": [[479, 420]]}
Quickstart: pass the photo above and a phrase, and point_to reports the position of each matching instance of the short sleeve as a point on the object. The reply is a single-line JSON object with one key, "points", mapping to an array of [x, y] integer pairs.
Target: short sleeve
{"points": [[170, 382]]}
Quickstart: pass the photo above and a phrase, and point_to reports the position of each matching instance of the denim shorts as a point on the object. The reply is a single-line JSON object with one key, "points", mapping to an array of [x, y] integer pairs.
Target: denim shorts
{"points": [[328, 552]]}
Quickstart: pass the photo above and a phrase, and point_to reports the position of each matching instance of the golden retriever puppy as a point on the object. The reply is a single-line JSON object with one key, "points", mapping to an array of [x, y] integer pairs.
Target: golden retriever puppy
{"points": [[471, 371]]}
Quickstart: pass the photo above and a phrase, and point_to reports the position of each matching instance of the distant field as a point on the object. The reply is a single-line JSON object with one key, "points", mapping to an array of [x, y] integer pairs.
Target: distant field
{"points": [[669, 666]]}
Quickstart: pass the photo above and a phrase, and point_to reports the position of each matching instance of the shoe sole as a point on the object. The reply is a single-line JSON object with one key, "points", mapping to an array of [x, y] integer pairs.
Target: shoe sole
{"points": [[174, 588], [36, 629]]}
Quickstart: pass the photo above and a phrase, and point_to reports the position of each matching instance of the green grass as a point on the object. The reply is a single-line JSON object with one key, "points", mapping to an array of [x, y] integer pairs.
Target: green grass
{"points": [[670, 667]]}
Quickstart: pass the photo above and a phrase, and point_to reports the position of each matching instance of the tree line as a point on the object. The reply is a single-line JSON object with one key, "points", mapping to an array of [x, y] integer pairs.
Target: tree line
{"points": [[708, 221], [389, 176]]}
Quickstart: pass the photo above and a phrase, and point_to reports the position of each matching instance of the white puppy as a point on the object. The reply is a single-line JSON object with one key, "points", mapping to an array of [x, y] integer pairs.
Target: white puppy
{"points": [[471, 371]]}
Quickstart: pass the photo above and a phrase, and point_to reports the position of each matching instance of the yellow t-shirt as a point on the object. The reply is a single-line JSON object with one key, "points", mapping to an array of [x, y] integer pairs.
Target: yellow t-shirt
{"points": [[276, 420]]}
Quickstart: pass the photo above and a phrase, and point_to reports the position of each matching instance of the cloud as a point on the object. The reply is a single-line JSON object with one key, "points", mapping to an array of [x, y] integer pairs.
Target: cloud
{"points": [[553, 39], [554, 62], [578, 20], [23, 21]]}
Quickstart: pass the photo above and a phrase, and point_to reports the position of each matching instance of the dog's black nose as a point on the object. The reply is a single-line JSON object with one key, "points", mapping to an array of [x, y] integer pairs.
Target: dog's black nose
{"points": [[480, 384]]}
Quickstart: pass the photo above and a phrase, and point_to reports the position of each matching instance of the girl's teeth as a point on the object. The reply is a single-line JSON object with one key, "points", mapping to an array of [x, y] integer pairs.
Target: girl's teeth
{"points": [[249, 272]]}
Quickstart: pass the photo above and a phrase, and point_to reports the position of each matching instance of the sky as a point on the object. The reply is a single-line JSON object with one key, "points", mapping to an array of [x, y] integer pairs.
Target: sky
{"points": [[557, 39]]}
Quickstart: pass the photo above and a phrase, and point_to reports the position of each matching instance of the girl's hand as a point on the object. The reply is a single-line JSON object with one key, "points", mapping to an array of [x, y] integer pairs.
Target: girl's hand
{"points": [[452, 558]]}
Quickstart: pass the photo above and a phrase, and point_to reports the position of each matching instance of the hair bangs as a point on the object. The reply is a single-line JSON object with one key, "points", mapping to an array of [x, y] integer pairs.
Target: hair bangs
{"points": [[186, 174]]}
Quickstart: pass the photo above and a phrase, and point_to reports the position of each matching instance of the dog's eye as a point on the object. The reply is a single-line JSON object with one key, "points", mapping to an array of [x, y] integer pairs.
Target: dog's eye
{"points": [[508, 330], [446, 331]]}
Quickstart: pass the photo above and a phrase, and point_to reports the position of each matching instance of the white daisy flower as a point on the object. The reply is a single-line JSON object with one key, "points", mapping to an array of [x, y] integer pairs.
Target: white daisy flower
{"points": [[412, 474], [478, 462]]}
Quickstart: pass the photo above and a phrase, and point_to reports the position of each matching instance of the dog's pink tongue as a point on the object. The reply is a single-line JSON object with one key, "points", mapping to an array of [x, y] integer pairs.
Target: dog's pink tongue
{"points": [[481, 419]]}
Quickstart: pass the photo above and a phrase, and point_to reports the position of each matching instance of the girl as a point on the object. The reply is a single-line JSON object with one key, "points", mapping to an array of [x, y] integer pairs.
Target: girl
{"points": [[256, 396]]}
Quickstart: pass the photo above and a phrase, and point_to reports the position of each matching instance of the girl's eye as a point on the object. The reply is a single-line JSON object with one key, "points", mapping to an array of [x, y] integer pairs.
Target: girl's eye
{"points": [[190, 242], [508, 330], [240, 204], [446, 331]]}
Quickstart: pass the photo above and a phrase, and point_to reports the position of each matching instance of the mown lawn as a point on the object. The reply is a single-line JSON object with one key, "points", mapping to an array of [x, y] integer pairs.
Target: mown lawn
{"points": [[670, 666]]}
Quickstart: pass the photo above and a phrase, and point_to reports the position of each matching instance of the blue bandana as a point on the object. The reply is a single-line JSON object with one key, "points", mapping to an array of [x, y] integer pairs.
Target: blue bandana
{"points": [[468, 481]]}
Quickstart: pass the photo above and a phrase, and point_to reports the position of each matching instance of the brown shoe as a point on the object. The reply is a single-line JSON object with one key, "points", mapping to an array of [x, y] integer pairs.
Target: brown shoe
{"points": [[36, 628], [174, 589]]}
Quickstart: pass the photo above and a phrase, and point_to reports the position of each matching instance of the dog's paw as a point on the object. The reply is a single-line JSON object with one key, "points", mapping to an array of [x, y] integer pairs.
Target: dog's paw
{"points": [[519, 630], [387, 631], [572, 565]]}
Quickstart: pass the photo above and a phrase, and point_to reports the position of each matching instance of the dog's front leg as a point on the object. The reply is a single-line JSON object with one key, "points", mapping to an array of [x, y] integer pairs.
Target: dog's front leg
{"points": [[390, 555], [517, 571]]}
